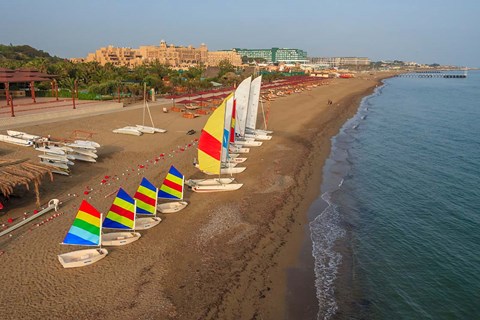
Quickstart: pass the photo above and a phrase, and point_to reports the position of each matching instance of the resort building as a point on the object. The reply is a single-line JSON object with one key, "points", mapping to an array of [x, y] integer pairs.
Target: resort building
{"points": [[169, 54], [116, 56], [340, 62], [275, 55], [214, 58]]}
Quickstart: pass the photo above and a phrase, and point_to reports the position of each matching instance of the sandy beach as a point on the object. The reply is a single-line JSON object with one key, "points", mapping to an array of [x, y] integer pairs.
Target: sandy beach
{"points": [[223, 257]]}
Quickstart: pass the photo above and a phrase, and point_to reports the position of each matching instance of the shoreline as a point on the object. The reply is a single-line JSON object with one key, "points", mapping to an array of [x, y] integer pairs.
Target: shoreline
{"points": [[224, 256]]}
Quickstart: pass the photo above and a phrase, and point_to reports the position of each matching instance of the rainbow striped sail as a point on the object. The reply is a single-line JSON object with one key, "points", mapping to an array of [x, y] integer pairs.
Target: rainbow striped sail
{"points": [[210, 142], [122, 212], [172, 186], [85, 230], [146, 197]]}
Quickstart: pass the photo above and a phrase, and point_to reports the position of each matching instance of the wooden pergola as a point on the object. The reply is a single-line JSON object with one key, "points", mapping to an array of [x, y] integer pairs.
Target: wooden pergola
{"points": [[30, 76], [14, 173]]}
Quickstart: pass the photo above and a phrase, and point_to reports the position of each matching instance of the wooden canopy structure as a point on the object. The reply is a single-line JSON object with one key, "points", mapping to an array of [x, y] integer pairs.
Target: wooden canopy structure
{"points": [[14, 173], [30, 76]]}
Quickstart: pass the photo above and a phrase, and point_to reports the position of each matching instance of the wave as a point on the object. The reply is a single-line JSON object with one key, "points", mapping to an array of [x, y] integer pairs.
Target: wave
{"points": [[325, 231]]}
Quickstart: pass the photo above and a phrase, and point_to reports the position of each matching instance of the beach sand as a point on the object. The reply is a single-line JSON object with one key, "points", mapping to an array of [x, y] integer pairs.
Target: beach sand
{"points": [[223, 257]]}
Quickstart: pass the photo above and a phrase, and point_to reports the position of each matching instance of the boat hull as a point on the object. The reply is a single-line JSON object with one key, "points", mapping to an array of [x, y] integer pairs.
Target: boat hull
{"points": [[119, 238], [208, 182], [171, 207], [248, 143], [82, 258], [146, 223], [217, 187], [238, 149], [130, 131]]}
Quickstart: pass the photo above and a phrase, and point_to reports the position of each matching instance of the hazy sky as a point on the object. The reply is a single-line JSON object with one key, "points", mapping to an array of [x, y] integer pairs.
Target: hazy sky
{"points": [[425, 31]]}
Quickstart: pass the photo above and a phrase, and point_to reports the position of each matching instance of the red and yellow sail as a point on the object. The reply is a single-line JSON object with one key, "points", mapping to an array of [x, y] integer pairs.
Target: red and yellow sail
{"points": [[210, 142]]}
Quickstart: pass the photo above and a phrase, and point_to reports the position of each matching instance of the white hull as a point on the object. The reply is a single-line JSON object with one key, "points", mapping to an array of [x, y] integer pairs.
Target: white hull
{"points": [[218, 187], [81, 258], [237, 160], [208, 182], [119, 238], [130, 131], [248, 143], [158, 130], [258, 131], [17, 141], [63, 172], [238, 149], [84, 152], [83, 157], [144, 129], [84, 145], [54, 164], [171, 207], [22, 135], [146, 223], [258, 136], [87, 144], [54, 157], [52, 150]]}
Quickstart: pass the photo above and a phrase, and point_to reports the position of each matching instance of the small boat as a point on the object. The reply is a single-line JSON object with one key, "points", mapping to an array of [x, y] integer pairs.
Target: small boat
{"points": [[51, 150], [55, 157], [59, 165], [87, 143], [82, 157], [257, 136], [238, 149], [172, 189], [217, 187], [85, 152], [22, 135], [85, 231], [120, 216], [82, 145], [247, 143], [146, 204], [128, 130], [17, 141], [157, 130], [208, 182], [144, 129]]}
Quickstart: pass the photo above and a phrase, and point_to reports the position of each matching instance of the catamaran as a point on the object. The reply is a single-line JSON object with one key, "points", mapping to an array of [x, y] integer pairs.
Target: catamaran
{"points": [[213, 149], [121, 216], [85, 231], [172, 189]]}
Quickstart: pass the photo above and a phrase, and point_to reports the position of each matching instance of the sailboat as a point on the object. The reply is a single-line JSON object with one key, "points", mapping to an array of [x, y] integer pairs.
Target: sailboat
{"points": [[120, 216], [172, 189], [143, 128], [146, 204], [252, 112], [85, 231], [238, 138], [212, 148]]}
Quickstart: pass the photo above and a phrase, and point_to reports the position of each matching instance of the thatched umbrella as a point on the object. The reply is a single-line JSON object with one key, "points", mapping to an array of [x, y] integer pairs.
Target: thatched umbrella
{"points": [[22, 172]]}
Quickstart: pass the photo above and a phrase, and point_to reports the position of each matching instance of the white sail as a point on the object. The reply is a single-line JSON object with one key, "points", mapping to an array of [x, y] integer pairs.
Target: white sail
{"points": [[253, 100], [242, 96]]}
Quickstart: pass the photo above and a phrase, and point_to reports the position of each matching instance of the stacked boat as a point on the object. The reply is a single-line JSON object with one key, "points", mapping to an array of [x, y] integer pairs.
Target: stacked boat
{"points": [[59, 155]]}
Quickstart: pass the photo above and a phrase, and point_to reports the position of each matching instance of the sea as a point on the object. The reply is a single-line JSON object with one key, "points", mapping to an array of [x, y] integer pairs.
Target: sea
{"points": [[396, 231]]}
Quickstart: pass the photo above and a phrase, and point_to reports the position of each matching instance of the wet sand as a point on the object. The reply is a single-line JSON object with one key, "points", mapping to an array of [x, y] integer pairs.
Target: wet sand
{"points": [[223, 257]]}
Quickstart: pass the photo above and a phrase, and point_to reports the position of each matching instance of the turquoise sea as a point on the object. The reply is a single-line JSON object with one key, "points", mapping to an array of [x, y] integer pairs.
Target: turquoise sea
{"points": [[399, 234]]}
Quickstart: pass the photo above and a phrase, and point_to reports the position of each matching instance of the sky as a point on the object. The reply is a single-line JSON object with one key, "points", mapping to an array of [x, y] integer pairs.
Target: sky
{"points": [[423, 31]]}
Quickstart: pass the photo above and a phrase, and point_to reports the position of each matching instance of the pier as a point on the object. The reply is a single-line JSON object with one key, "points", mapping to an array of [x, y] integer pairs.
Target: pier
{"points": [[432, 74]]}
